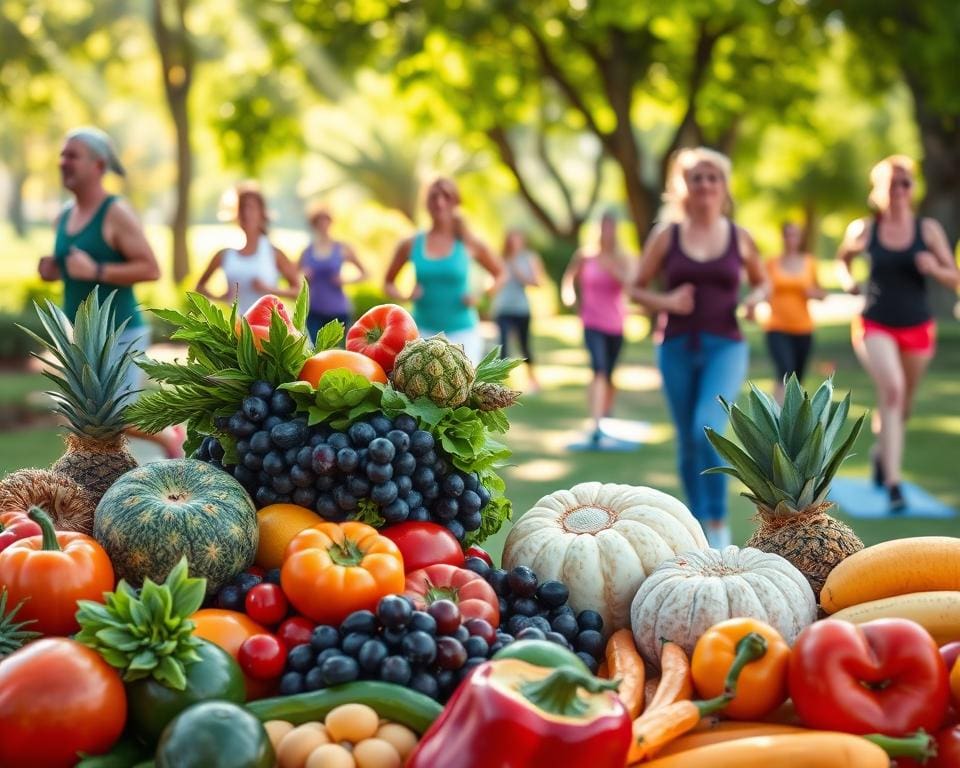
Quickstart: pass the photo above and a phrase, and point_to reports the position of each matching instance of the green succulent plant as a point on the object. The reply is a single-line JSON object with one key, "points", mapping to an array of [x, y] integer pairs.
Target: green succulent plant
{"points": [[146, 633], [13, 636]]}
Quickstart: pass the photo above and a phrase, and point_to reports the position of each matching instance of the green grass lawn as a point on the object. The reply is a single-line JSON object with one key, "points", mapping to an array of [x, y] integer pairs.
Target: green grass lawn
{"points": [[546, 423]]}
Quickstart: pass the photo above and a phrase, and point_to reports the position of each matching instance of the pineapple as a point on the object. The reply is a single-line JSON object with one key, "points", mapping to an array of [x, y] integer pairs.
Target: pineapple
{"points": [[89, 367], [489, 396], [789, 457], [436, 369]]}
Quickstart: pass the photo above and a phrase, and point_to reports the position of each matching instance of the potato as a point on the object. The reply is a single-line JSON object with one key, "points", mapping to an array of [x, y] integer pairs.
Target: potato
{"points": [[297, 745], [330, 756], [276, 730], [376, 753], [401, 737], [352, 722]]}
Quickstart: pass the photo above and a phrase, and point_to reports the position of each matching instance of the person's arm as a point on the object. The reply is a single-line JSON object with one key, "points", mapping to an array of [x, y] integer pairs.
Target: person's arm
{"points": [[537, 273], [756, 274], [938, 261], [400, 257], [47, 266], [290, 272], [815, 291], [854, 242], [350, 257], [679, 301], [568, 283], [123, 232], [201, 287], [486, 259]]}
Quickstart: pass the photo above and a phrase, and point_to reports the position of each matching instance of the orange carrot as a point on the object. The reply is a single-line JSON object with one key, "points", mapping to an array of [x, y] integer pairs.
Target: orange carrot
{"points": [[676, 683], [626, 665]]}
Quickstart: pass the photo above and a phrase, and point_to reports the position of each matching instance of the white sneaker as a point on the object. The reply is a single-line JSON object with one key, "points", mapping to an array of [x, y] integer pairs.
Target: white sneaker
{"points": [[718, 536]]}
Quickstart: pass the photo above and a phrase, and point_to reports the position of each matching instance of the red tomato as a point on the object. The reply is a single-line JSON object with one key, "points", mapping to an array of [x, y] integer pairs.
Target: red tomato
{"points": [[423, 544], [885, 676], [475, 598], [297, 630], [381, 332], [474, 551], [950, 653], [57, 698], [262, 657], [266, 604], [261, 313], [948, 752]]}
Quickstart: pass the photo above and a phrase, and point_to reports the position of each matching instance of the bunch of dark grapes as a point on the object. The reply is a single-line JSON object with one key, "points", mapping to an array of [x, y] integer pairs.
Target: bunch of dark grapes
{"points": [[390, 462], [533, 610], [429, 651], [233, 594]]}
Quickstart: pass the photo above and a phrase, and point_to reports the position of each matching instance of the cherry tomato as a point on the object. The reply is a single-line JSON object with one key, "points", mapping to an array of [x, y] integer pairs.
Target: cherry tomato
{"points": [[262, 657], [297, 630], [256, 570], [266, 604], [474, 551], [424, 544]]}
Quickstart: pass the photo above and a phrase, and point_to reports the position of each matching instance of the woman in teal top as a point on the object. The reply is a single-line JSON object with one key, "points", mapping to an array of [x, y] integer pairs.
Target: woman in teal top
{"points": [[442, 299]]}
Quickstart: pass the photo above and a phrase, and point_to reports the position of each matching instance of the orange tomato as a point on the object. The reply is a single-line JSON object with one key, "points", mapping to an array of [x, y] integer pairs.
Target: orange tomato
{"points": [[762, 686], [229, 629], [278, 524], [51, 572], [333, 359], [333, 569]]}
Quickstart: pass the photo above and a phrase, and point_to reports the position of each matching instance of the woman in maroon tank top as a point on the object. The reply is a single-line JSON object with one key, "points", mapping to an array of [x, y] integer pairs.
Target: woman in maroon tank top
{"points": [[698, 255], [894, 339]]}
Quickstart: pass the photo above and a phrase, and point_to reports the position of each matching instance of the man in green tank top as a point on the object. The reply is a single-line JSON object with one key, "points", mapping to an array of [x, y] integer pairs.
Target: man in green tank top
{"points": [[100, 242]]}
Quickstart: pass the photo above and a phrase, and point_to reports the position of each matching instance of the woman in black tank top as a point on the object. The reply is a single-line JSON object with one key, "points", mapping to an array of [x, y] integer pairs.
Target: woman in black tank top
{"points": [[894, 338]]}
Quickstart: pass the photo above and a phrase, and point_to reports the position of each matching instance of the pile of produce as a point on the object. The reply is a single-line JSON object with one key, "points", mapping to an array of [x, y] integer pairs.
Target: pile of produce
{"points": [[308, 591]]}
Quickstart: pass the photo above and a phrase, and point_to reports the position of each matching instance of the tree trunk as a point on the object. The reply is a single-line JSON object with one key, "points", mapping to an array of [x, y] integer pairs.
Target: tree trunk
{"points": [[176, 58], [15, 213], [940, 136]]}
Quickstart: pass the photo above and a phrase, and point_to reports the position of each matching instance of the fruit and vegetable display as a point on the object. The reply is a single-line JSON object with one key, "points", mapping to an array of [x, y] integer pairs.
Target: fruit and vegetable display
{"points": [[309, 589]]}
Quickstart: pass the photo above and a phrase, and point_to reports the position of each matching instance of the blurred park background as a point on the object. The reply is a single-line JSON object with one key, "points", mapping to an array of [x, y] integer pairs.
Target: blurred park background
{"points": [[546, 112]]}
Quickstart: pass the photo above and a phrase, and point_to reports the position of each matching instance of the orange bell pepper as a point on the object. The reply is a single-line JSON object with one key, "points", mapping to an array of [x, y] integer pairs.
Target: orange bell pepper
{"points": [[333, 569], [763, 683], [51, 572]]}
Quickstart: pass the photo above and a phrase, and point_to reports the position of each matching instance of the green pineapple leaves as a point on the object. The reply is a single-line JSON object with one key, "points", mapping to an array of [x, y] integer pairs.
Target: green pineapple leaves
{"points": [[789, 454], [89, 365], [146, 633], [12, 633]]}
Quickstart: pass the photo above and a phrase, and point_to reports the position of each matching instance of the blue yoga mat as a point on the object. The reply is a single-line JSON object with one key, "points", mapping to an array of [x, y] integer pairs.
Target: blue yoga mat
{"points": [[859, 497]]}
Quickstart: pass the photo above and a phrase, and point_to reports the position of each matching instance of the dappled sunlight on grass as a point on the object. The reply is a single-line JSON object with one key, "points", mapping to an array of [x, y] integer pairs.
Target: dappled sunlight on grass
{"points": [[541, 470], [943, 424], [637, 378]]}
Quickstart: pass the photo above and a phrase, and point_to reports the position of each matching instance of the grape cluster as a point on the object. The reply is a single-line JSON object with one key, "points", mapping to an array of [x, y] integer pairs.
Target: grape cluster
{"points": [[390, 462], [530, 609], [429, 651]]}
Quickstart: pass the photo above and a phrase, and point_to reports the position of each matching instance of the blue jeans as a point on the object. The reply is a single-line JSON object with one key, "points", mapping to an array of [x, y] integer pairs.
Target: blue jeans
{"points": [[694, 376]]}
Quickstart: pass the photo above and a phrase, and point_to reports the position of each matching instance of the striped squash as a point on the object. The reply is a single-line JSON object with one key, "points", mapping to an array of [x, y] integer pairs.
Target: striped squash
{"points": [[157, 513]]}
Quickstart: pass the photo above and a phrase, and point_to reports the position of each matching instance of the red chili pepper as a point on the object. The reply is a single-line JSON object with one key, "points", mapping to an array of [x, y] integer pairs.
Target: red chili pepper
{"points": [[15, 526], [885, 676], [512, 714]]}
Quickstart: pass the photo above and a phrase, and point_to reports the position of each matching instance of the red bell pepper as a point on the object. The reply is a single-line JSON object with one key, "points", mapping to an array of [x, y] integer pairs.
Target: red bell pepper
{"points": [[15, 526], [511, 714], [885, 676]]}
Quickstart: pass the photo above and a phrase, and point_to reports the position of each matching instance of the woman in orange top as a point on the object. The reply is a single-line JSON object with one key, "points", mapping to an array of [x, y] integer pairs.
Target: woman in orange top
{"points": [[792, 281]]}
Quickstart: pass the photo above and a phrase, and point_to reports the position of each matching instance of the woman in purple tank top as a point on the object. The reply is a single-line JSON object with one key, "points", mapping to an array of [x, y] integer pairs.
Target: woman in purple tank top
{"points": [[321, 262], [698, 255]]}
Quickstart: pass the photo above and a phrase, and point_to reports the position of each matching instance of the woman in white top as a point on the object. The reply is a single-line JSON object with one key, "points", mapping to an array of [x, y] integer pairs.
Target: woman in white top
{"points": [[256, 268]]}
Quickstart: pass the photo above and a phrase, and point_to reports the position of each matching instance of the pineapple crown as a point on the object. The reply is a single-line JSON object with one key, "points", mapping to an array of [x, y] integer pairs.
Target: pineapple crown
{"points": [[790, 454], [89, 365]]}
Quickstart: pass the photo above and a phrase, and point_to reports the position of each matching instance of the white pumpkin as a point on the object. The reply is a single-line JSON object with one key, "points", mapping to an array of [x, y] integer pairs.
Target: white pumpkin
{"points": [[687, 595], [601, 540]]}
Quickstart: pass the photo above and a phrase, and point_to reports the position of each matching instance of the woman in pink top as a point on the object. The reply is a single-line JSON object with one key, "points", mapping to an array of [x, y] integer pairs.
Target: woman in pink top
{"points": [[599, 277]]}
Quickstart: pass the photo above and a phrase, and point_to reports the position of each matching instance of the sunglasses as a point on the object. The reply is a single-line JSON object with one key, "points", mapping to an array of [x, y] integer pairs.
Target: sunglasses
{"points": [[905, 183], [710, 178]]}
